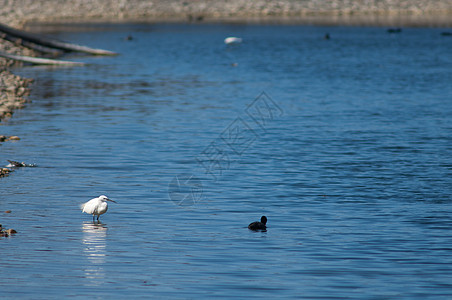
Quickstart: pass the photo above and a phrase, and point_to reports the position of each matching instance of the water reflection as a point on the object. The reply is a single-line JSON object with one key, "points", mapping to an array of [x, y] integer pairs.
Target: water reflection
{"points": [[94, 235]]}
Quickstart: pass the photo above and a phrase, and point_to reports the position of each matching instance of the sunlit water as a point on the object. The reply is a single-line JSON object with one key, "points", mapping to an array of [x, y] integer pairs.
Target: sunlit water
{"points": [[351, 163]]}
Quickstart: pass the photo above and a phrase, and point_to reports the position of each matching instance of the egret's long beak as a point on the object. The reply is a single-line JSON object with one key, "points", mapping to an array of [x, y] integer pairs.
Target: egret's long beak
{"points": [[111, 200]]}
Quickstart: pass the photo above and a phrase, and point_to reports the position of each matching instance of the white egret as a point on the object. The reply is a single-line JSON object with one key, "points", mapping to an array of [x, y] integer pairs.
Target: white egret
{"points": [[232, 40], [259, 225], [96, 207]]}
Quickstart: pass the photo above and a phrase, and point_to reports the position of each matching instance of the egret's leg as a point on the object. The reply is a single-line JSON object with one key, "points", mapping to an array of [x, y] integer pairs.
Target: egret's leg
{"points": [[93, 218]]}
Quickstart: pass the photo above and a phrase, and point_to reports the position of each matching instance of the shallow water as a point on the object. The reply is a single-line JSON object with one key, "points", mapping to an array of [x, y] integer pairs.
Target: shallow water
{"points": [[347, 152]]}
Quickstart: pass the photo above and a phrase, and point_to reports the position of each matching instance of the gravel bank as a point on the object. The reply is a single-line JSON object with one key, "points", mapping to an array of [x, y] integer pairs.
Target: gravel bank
{"points": [[13, 89], [376, 12]]}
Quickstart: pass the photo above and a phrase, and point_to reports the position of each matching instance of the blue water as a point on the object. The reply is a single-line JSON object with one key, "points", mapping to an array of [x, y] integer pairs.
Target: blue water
{"points": [[344, 144]]}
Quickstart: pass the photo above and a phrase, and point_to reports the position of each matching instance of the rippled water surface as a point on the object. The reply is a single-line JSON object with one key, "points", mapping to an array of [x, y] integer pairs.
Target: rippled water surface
{"points": [[347, 152]]}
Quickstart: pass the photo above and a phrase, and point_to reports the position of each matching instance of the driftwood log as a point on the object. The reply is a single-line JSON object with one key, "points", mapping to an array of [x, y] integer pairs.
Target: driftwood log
{"points": [[40, 61], [23, 36], [39, 48]]}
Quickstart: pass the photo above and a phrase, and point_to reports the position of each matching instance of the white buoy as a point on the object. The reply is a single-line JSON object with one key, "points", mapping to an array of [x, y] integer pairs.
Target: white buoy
{"points": [[232, 40]]}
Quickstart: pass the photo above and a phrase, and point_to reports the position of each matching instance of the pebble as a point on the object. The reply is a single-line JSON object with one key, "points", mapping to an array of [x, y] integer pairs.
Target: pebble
{"points": [[13, 138], [4, 138], [6, 232], [4, 172]]}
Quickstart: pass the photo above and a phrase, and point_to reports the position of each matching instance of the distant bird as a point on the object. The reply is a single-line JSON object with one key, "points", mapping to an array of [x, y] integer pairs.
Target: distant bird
{"points": [[394, 30], [259, 225], [327, 36], [232, 40], [96, 207]]}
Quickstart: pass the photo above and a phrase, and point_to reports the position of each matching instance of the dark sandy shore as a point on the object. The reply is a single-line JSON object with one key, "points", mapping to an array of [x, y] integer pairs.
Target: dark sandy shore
{"points": [[391, 13]]}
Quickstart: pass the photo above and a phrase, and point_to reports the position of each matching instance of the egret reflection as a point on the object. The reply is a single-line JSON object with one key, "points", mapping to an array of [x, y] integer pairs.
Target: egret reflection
{"points": [[95, 251]]}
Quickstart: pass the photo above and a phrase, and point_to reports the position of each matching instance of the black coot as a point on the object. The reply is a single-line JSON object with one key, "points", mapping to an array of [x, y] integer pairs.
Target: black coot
{"points": [[259, 225]]}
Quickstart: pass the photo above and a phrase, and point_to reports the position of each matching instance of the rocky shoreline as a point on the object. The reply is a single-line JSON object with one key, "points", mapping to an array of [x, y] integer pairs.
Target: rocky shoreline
{"points": [[13, 92], [18, 13], [339, 12], [13, 89]]}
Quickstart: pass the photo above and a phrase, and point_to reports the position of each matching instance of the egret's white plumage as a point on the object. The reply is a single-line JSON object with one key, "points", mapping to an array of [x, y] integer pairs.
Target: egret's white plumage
{"points": [[97, 206]]}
